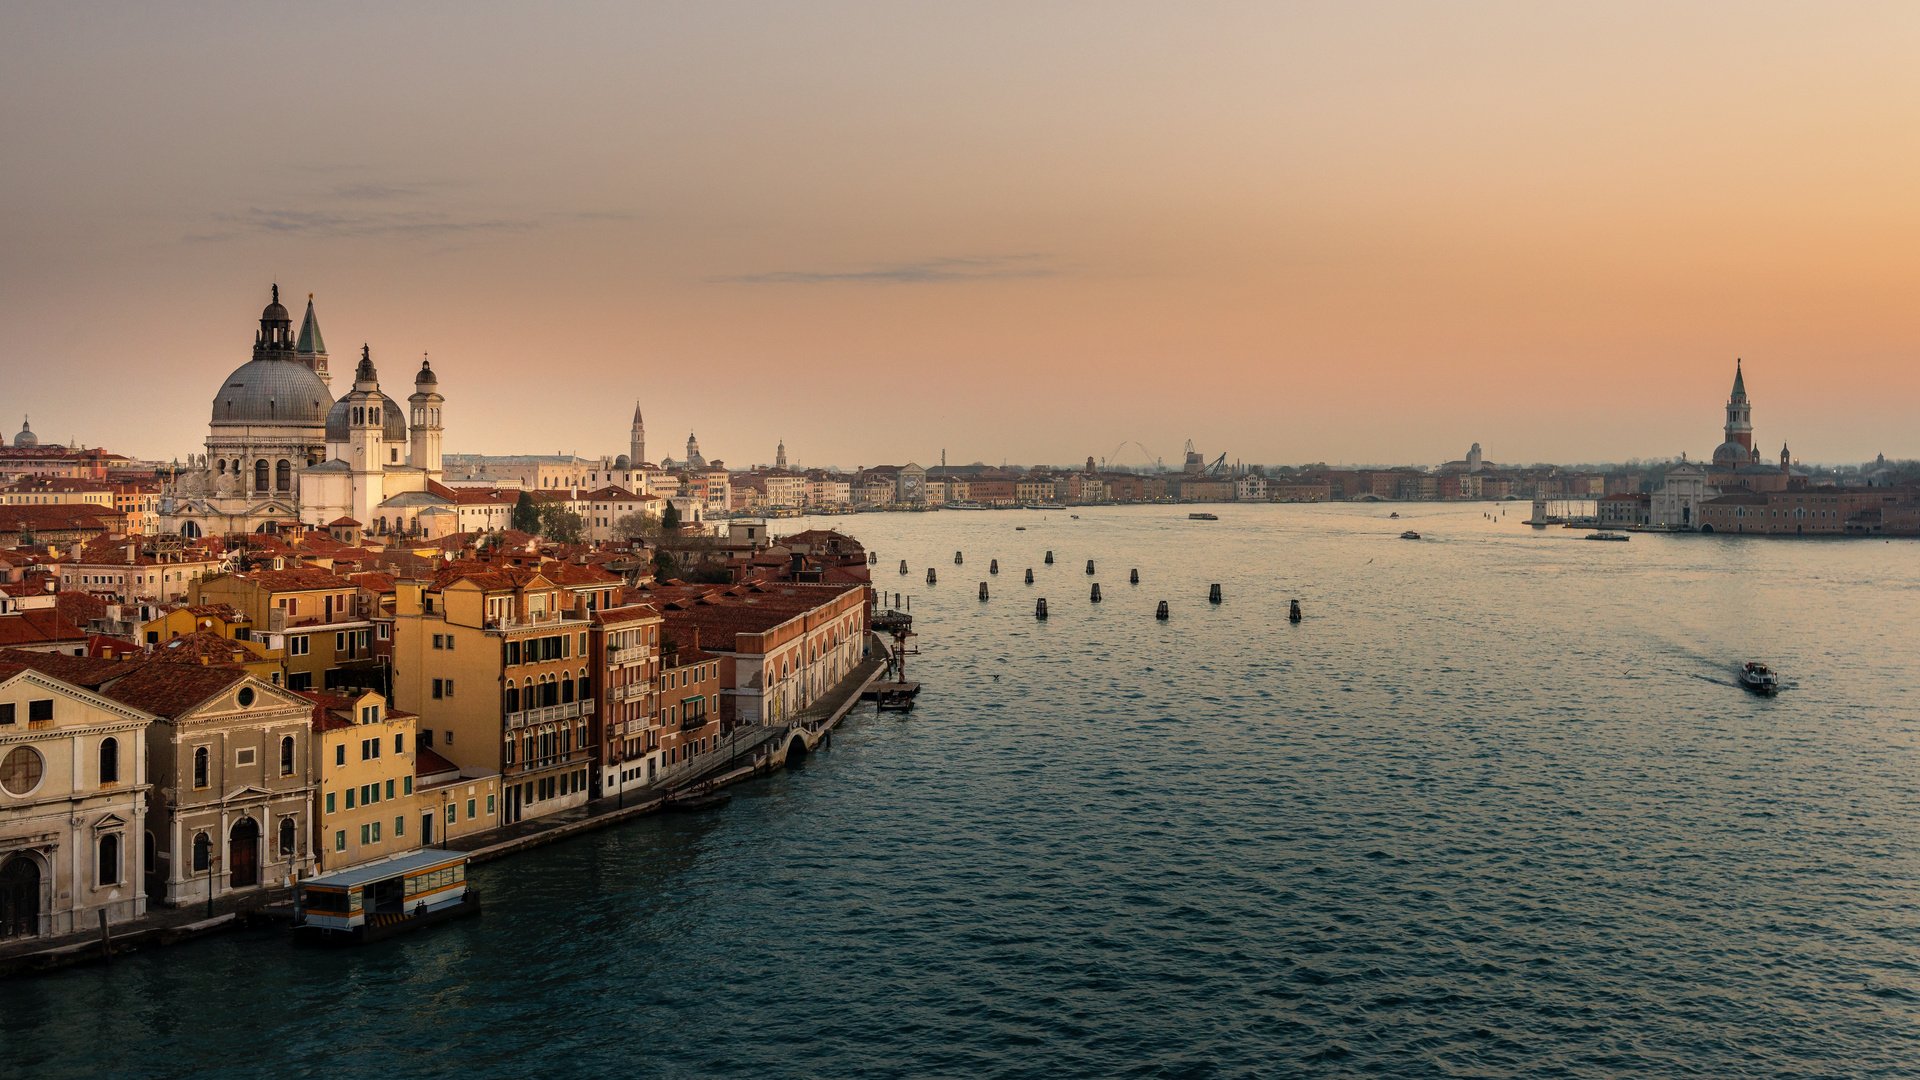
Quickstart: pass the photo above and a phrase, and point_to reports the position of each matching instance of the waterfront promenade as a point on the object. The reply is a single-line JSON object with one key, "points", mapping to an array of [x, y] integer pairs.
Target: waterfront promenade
{"points": [[751, 750]]}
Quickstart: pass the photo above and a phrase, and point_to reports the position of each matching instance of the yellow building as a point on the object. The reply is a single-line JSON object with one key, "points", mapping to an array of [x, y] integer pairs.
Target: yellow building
{"points": [[222, 619], [365, 805], [495, 661], [452, 804], [316, 617]]}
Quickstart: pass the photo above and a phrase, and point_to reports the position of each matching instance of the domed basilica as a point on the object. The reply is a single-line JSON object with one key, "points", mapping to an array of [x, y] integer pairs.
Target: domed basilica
{"points": [[281, 449]]}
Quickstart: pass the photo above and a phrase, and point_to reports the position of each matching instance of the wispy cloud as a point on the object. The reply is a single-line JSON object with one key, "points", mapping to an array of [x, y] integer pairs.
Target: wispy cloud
{"points": [[925, 271], [336, 223]]}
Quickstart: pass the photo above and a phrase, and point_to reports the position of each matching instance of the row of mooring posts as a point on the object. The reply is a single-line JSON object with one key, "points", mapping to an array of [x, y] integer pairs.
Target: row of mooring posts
{"points": [[1040, 607]]}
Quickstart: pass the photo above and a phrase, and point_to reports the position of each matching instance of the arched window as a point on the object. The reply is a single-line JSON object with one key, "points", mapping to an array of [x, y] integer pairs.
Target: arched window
{"points": [[200, 767], [190, 530], [373, 416], [108, 870], [512, 745], [286, 838], [109, 761], [223, 466], [202, 853], [286, 756], [260, 475], [550, 692], [513, 698], [283, 475], [586, 685], [566, 690]]}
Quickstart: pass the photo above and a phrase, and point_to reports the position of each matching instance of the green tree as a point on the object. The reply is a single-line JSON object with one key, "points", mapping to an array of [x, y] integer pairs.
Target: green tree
{"points": [[670, 520], [663, 568], [526, 516], [636, 527], [562, 526]]}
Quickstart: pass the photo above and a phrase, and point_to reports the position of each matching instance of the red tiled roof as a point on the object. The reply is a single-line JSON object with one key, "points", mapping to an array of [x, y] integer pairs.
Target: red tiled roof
{"points": [[343, 522], [38, 626], [426, 762], [305, 579]]}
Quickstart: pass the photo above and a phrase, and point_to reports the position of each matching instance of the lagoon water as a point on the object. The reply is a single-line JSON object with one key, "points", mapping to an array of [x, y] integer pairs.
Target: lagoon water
{"points": [[1494, 808]]}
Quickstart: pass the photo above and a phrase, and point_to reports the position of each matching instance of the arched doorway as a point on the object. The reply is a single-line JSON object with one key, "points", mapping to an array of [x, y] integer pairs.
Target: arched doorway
{"points": [[243, 854], [20, 898]]}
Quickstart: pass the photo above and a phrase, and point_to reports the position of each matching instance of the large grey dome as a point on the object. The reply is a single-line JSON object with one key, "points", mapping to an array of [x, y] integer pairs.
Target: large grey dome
{"points": [[269, 391], [393, 421]]}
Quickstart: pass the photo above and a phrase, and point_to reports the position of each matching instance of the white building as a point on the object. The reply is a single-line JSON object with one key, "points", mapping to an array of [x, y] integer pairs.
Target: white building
{"points": [[1677, 503], [73, 790]]}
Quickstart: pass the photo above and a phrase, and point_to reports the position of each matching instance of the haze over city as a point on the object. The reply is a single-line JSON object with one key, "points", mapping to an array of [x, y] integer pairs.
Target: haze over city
{"points": [[1352, 233]]}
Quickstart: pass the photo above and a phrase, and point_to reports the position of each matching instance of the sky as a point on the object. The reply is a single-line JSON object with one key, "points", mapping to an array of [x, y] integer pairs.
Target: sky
{"points": [[1341, 232]]}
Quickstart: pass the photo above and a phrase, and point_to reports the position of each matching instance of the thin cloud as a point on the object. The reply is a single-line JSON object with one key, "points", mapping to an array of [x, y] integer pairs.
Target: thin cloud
{"points": [[332, 223], [926, 271]]}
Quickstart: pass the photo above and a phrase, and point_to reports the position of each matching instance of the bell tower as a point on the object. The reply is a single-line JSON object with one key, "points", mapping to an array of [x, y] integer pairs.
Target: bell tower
{"points": [[310, 349], [424, 424], [1740, 414], [637, 441], [365, 428]]}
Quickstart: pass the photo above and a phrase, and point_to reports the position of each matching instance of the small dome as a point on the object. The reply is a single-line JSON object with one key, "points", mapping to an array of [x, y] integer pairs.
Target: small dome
{"points": [[275, 311], [393, 422], [622, 463], [426, 376], [271, 391], [26, 436]]}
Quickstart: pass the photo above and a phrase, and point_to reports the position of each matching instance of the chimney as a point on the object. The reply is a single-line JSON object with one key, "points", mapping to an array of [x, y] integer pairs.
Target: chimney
{"points": [[75, 549]]}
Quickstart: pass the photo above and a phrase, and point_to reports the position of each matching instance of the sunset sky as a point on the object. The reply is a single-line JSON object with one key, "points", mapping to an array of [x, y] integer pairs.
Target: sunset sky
{"points": [[1346, 232]]}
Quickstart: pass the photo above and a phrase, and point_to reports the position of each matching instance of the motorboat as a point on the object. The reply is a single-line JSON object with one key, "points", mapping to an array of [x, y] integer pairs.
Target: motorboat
{"points": [[1019, 528], [1760, 679], [1203, 517], [965, 504], [1050, 506], [1395, 514], [1409, 535], [1604, 535]]}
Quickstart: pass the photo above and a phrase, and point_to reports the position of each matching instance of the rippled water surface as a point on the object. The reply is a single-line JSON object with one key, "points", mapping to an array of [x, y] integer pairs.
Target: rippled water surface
{"points": [[1495, 808]]}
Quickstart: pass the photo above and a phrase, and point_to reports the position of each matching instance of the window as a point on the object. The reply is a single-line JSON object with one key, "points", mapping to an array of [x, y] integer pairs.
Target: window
{"points": [[340, 641], [386, 631], [286, 838], [449, 741], [350, 797], [389, 789], [22, 770], [200, 767], [260, 475], [40, 712], [453, 812], [489, 806], [366, 834], [340, 840], [330, 808], [6, 713], [243, 757], [340, 754], [399, 827], [399, 742], [426, 737], [449, 642], [109, 761], [438, 689], [299, 646], [286, 756], [376, 832], [449, 687], [437, 640], [202, 853], [366, 749]]}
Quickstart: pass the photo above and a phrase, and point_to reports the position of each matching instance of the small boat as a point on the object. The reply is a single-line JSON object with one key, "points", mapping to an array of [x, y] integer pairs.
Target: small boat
{"points": [[1395, 514], [1203, 517], [1604, 535], [1760, 679], [1409, 535], [1075, 517], [1019, 528]]}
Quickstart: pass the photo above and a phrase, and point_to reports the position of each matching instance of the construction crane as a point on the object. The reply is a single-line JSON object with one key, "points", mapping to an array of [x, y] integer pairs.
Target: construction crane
{"points": [[1214, 469]]}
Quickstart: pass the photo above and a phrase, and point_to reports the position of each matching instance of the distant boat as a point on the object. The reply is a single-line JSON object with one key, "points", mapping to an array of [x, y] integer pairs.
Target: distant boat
{"points": [[1050, 506], [1395, 514], [1203, 517], [1604, 535], [965, 505], [1075, 517], [1019, 528], [1409, 535], [1760, 679]]}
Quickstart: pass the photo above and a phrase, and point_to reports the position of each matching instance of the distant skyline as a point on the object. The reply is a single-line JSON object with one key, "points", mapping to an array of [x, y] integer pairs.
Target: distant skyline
{"points": [[1290, 233]]}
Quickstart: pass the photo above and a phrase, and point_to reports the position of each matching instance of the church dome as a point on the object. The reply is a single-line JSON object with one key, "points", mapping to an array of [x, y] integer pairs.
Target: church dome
{"points": [[393, 422], [271, 391], [1732, 453], [26, 436]]}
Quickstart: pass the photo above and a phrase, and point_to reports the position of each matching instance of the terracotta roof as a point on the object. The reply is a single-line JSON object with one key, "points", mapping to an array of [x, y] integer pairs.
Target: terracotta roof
{"points": [[80, 608], [38, 626], [302, 580], [426, 762], [629, 613], [341, 522], [171, 689], [203, 647]]}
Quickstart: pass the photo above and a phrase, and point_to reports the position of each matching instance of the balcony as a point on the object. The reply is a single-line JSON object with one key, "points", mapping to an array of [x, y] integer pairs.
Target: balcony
{"points": [[632, 655], [629, 692], [550, 714]]}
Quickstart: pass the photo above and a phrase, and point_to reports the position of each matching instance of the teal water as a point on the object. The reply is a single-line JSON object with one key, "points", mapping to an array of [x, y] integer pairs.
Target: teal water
{"points": [[1495, 808]]}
